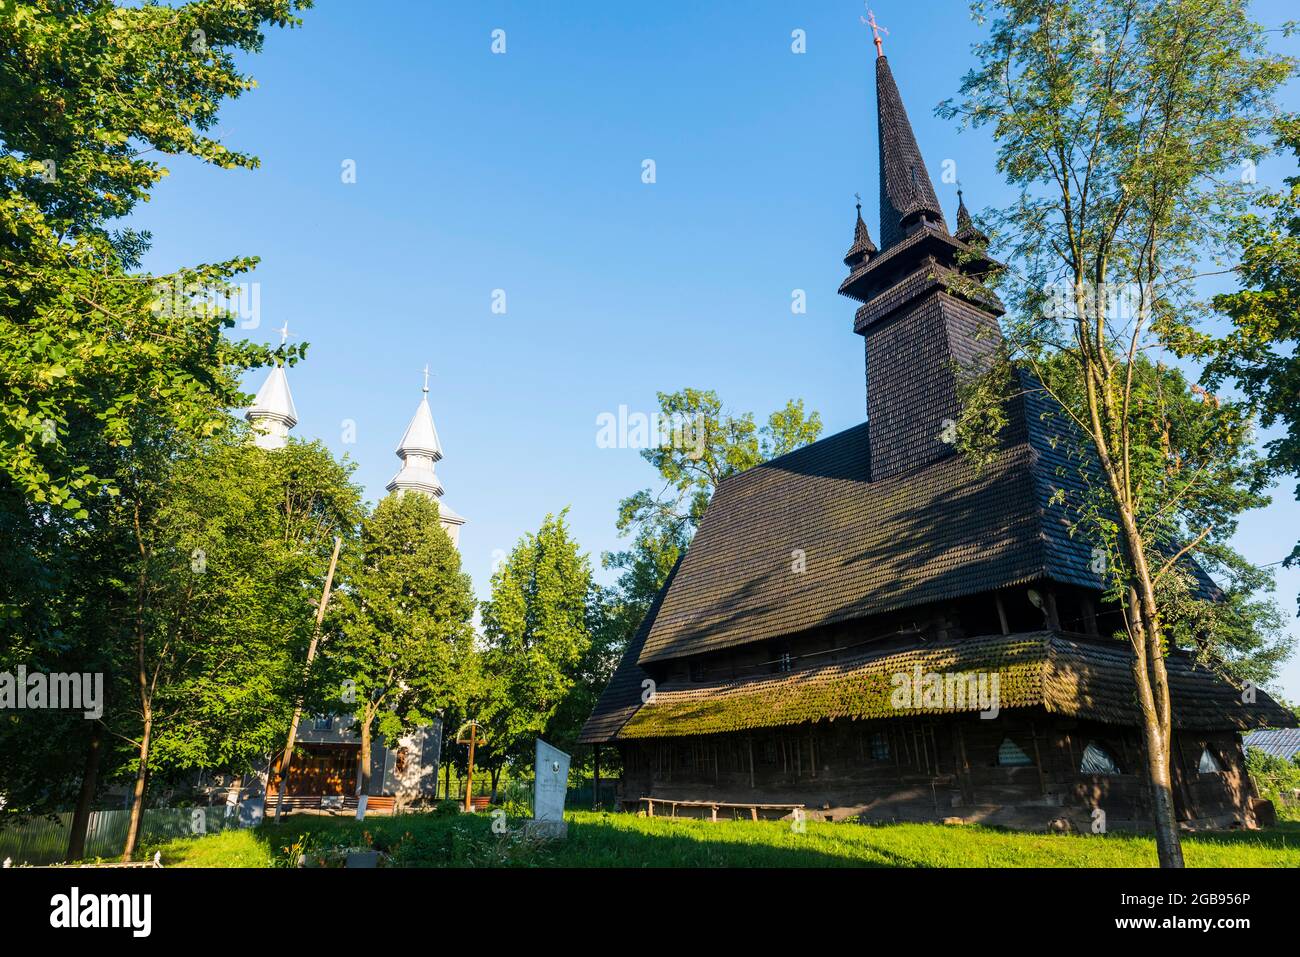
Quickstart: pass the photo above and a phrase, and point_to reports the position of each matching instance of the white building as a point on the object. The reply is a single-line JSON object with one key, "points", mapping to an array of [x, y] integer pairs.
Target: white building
{"points": [[420, 451], [326, 756]]}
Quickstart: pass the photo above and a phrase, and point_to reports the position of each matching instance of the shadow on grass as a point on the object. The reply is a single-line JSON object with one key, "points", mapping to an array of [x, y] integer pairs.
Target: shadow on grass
{"points": [[1285, 835], [469, 841], [624, 841]]}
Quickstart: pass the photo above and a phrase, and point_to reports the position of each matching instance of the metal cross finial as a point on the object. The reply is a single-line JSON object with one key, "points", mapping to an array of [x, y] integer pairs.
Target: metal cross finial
{"points": [[284, 332], [876, 30], [426, 377]]}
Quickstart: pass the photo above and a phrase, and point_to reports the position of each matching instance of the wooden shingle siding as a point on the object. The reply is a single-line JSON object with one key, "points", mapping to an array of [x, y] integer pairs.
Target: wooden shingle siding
{"points": [[1086, 679]]}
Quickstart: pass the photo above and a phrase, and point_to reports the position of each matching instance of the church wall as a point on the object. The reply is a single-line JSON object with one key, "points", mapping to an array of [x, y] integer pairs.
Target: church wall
{"points": [[932, 769]]}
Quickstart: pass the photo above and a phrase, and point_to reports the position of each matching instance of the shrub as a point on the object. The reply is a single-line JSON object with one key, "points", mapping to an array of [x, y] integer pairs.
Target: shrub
{"points": [[1276, 779]]}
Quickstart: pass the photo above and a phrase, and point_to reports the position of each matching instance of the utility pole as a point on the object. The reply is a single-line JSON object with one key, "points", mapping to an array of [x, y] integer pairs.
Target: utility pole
{"points": [[282, 770]]}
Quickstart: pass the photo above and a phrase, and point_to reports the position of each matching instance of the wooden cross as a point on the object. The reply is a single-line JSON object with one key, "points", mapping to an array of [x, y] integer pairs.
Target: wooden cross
{"points": [[472, 740], [876, 30]]}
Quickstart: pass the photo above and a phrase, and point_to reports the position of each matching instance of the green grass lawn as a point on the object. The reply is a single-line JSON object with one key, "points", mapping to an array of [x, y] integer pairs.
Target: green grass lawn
{"points": [[624, 840]]}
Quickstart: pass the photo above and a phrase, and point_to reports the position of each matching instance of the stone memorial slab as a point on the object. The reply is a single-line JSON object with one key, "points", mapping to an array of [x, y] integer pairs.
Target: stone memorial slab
{"points": [[550, 785]]}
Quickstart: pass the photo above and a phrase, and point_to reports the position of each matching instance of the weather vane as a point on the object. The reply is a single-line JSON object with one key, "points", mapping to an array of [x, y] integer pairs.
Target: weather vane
{"points": [[876, 30]]}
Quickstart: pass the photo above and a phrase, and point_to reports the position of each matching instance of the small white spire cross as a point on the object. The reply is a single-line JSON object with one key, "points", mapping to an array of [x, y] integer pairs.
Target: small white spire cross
{"points": [[426, 377], [284, 332]]}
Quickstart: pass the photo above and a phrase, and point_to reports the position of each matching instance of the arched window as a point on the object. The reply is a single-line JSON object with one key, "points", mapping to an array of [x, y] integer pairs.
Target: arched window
{"points": [[1097, 760], [1208, 764], [1011, 755]]}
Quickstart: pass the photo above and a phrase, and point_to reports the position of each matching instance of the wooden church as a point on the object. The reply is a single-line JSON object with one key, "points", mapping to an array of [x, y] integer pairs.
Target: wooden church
{"points": [[871, 629]]}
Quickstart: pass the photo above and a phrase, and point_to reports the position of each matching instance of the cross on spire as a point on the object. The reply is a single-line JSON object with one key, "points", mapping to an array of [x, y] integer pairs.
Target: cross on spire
{"points": [[876, 30], [284, 332], [426, 377]]}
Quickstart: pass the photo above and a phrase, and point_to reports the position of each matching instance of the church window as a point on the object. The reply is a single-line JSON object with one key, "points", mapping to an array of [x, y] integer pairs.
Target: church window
{"points": [[1097, 760], [1208, 764], [1011, 755]]}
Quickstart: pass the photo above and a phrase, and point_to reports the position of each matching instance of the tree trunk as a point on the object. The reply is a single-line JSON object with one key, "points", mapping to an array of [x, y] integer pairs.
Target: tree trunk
{"points": [[137, 794], [1153, 696], [1143, 619], [86, 797], [1153, 700], [446, 781], [1169, 848], [363, 771], [496, 777]]}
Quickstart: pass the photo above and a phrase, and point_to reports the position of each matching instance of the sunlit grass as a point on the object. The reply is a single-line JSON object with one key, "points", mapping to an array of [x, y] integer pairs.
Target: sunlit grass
{"points": [[624, 840]]}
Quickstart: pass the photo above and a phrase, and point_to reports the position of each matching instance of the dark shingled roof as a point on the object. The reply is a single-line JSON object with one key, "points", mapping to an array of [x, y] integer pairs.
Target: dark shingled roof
{"points": [[622, 696], [1068, 675], [863, 248], [939, 532]]}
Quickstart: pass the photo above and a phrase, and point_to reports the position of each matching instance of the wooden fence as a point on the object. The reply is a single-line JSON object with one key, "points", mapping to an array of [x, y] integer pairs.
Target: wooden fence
{"points": [[45, 840]]}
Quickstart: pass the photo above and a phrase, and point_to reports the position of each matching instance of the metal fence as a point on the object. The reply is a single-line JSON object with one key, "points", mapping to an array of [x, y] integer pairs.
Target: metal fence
{"points": [[45, 840]]}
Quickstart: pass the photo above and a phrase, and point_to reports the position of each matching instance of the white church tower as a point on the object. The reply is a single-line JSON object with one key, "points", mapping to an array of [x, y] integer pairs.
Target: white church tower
{"points": [[272, 413], [419, 450]]}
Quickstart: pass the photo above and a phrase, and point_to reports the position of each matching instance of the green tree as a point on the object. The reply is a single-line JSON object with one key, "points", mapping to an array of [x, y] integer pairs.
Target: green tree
{"points": [[1261, 355], [91, 93], [1202, 474], [104, 373], [1124, 124], [231, 548], [403, 639], [538, 629]]}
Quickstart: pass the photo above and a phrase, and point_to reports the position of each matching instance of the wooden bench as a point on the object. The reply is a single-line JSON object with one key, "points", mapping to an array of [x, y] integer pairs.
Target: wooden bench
{"points": [[375, 804], [713, 806]]}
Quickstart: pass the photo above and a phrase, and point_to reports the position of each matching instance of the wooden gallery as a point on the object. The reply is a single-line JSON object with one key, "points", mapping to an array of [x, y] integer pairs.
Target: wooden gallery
{"points": [[792, 657]]}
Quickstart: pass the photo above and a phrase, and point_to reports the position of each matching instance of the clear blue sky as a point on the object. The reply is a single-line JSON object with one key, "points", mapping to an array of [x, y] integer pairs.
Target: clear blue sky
{"points": [[522, 172]]}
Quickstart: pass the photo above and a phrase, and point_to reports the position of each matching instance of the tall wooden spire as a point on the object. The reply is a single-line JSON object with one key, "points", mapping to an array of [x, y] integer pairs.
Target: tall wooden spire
{"points": [[906, 194], [919, 325]]}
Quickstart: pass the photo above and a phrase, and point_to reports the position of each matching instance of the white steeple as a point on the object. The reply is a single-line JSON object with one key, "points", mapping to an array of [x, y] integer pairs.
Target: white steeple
{"points": [[272, 413], [419, 449]]}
